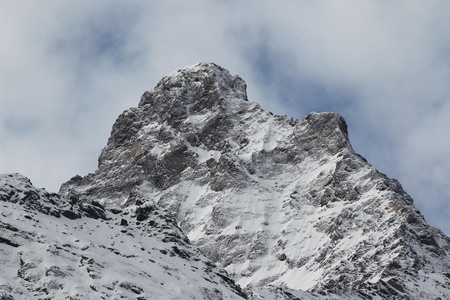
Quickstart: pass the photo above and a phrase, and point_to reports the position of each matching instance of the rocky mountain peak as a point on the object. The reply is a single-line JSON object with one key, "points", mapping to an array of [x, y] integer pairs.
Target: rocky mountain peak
{"points": [[178, 99], [201, 86], [198, 111], [283, 205]]}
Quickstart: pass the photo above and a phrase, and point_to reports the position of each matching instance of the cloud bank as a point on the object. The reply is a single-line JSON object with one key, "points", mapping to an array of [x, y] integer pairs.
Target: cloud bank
{"points": [[69, 69]]}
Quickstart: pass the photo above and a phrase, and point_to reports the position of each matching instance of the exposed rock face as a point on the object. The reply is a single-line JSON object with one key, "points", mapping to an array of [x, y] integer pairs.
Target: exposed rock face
{"points": [[285, 206], [16, 188], [53, 249], [277, 202]]}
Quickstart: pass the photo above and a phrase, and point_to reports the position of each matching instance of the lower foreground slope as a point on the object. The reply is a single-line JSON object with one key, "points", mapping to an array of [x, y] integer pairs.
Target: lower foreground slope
{"points": [[54, 248]]}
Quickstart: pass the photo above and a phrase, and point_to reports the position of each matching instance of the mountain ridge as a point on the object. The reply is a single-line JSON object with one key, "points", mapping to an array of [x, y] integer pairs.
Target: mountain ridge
{"points": [[56, 248], [286, 207]]}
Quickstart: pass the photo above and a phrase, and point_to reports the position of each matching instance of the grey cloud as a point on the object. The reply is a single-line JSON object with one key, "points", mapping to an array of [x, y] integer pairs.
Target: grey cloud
{"points": [[69, 70]]}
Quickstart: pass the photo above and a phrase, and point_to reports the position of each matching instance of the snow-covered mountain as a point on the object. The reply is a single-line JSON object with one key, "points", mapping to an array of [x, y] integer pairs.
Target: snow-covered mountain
{"points": [[286, 207]]}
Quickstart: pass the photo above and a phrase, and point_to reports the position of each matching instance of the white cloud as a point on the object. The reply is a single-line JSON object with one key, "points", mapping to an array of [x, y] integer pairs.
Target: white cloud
{"points": [[68, 70]]}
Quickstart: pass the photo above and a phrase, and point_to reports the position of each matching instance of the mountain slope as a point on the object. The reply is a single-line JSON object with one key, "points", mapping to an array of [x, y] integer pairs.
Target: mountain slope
{"points": [[54, 248], [279, 203], [285, 206]]}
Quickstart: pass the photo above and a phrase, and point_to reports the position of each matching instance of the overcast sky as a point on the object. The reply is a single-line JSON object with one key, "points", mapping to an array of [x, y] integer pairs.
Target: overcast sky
{"points": [[69, 68]]}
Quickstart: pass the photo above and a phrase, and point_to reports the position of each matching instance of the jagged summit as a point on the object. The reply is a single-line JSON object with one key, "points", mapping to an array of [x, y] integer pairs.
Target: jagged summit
{"points": [[286, 207], [197, 80], [192, 113]]}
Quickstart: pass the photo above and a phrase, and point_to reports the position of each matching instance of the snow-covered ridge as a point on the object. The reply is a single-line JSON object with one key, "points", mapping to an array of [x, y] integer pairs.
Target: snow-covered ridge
{"points": [[136, 252]]}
